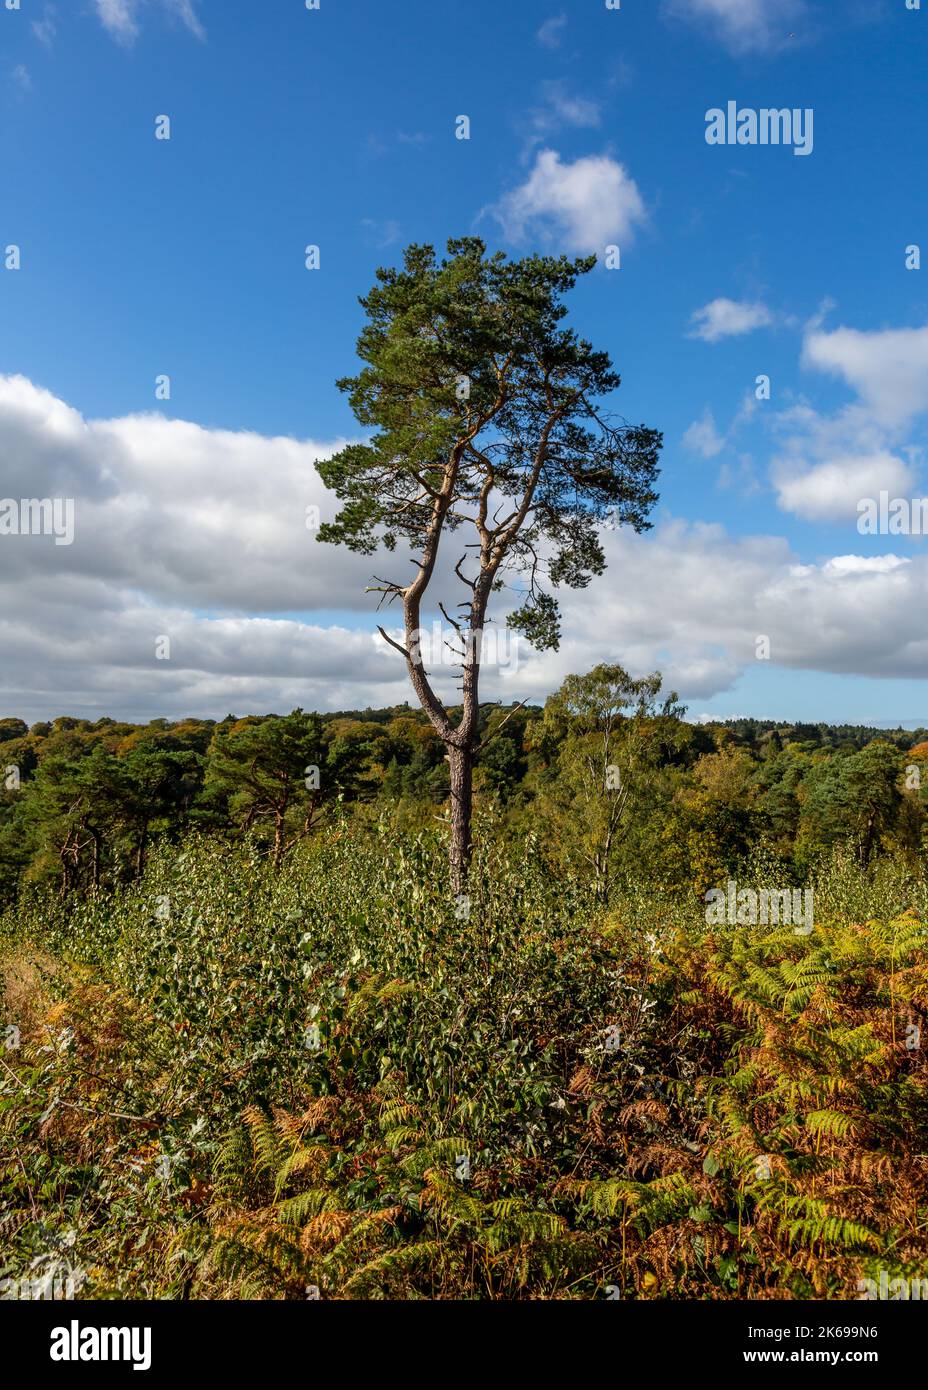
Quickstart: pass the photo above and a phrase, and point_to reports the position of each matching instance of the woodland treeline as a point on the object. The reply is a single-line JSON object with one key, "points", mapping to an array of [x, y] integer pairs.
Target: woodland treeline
{"points": [[610, 781]]}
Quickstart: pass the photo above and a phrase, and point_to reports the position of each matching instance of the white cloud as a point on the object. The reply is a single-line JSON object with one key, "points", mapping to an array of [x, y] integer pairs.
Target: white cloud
{"points": [[193, 533], [728, 318], [118, 16], [213, 519], [888, 369], [22, 78], [831, 491], [199, 534], [744, 26], [550, 32], [702, 437], [121, 17], [691, 599], [700, 596], [827, 463], [586, 205], [860, 564]]}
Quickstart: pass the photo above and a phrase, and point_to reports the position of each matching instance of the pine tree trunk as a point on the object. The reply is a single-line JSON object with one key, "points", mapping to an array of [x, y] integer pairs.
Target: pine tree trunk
{"points": [[461, 762]]}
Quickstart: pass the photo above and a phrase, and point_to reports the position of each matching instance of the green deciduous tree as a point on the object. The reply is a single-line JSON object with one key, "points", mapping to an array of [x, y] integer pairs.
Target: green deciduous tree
{"points": [[612, 738]]}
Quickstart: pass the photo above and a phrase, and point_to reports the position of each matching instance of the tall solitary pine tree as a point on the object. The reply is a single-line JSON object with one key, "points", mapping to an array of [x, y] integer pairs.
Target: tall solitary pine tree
{"points": [[488, 422]]}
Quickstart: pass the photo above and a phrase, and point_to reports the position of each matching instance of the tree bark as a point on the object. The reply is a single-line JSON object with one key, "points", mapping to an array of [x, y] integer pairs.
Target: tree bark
{"points": [[461, 741]]}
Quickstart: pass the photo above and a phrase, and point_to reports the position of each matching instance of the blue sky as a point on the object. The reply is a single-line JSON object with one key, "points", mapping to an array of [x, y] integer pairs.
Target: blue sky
{"points": [[337, 127]]}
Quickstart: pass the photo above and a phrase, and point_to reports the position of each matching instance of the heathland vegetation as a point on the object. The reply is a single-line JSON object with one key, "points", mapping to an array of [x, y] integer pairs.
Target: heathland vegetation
{"points": [[254, 1044]]}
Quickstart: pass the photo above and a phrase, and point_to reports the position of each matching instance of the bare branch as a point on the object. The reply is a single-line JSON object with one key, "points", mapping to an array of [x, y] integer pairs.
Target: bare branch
{"points": [[396, 645]]}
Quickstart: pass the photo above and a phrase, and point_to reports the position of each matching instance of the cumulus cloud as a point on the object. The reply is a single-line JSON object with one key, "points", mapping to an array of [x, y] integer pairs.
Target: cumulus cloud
{"points": [[728, 318], [66, 659], [212, 518], [888, 369], [827, 463], [744, 26], [831, 491], [701, 596], [195, 534], [199, 535], [586, 205]]}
